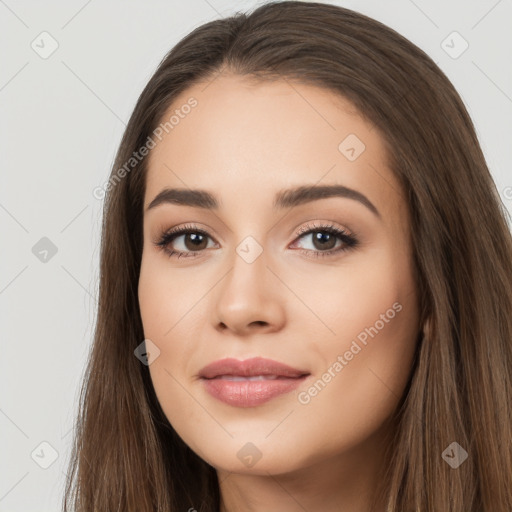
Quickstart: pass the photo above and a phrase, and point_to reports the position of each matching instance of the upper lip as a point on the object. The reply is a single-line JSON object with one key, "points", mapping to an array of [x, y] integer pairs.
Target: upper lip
{"points": [[249, 368]]}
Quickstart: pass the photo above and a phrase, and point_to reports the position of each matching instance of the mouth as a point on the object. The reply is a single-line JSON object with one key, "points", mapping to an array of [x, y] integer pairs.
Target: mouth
{"points": [[240, 378], [251, 382], [253, 367]]}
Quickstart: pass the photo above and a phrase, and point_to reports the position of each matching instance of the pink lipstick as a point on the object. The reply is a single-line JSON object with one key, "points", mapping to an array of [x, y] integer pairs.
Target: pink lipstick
{"points": [[250, 382]]}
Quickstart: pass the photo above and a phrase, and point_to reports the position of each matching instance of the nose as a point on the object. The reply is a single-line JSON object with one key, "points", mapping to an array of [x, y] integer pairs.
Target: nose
{"points": [[250, 299]]}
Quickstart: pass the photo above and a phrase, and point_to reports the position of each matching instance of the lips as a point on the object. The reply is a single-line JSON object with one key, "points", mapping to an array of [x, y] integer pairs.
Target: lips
{"points": [[251, 382], [254, 367]]}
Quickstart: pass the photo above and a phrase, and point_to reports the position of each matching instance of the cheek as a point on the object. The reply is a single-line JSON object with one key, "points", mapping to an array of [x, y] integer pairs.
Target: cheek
{"points": [[372, 311], [351, 301], [365, 375], [169, 313], [167, 297]]}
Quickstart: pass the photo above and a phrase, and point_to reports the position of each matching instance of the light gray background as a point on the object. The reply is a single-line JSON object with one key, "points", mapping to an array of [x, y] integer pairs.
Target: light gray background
{"points": [[62, 119]]}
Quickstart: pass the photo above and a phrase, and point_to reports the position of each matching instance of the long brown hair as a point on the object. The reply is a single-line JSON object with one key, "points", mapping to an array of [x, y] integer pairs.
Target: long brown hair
{"points": [[127, 457]]}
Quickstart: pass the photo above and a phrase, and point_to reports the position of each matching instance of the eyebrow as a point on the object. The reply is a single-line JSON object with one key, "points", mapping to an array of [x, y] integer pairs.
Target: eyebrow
{"points": [[283, 199]]}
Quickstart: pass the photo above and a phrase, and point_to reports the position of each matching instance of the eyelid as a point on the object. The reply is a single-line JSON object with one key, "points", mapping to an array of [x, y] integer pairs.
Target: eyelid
{"points": [[348, 237], [321, 225], [180, 230]]}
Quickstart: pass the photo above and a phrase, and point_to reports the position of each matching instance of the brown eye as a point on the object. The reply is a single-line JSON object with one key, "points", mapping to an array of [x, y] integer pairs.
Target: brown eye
{"points": [[322, 240], [184, 242], [195, 241], [326, 240]]}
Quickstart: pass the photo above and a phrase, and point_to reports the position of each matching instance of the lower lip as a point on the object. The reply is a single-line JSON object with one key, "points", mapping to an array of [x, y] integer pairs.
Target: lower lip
{"points": [[250, 393]]}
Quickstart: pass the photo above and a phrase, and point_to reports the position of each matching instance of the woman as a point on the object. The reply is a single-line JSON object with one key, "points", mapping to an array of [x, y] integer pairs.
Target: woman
{"points": [[306, 283]]}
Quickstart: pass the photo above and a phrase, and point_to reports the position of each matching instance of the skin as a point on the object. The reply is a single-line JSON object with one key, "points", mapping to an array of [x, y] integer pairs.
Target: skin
{"points": [[243, 142]]}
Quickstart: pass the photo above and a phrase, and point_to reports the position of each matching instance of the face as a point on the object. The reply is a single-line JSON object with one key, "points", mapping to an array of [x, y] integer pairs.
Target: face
{"points": [[322, 282]]}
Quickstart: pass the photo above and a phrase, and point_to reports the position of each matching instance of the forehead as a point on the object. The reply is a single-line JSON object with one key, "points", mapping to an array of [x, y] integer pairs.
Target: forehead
{"points": [[250, 139]]}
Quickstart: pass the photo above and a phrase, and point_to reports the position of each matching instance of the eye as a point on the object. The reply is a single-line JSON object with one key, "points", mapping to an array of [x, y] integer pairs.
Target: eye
{"points": [[327, 240], [193, 240]]}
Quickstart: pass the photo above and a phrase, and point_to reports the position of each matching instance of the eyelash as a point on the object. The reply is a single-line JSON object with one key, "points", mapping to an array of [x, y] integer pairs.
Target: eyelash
{"points": [[170, 235]]}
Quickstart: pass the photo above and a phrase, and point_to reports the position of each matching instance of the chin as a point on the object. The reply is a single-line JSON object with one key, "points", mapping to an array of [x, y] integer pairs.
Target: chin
{"points": [[255, 458]]}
